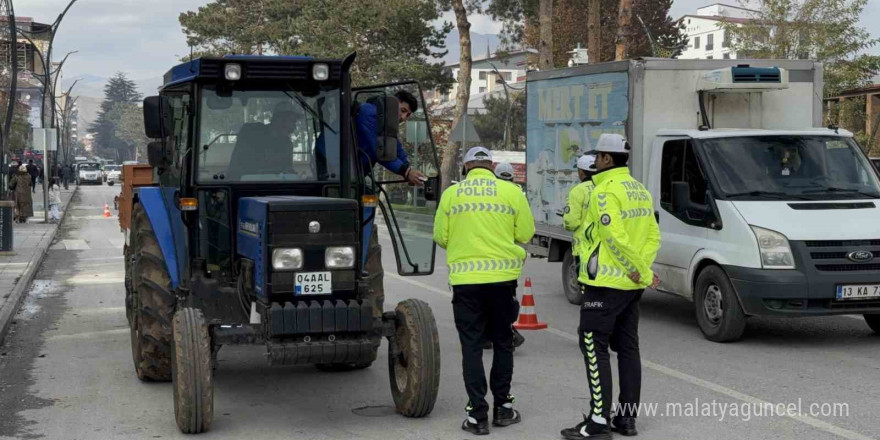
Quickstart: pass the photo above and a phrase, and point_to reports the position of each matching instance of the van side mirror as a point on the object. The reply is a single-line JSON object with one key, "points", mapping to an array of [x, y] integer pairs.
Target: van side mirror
{"points": [[682, 203], [157, 117], [432, 189], [388, 112], [681, 196]]}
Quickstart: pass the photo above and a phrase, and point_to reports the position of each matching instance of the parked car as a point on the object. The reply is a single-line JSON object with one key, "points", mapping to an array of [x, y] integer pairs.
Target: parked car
{"points": [[112, 174], [89, 172], [876, 162]]}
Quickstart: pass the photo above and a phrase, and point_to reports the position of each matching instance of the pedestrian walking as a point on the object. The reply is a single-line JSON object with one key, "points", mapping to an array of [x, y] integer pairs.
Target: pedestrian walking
{"points": [[66, 175], [54, 200], [575, 215], [24, 203], [479, 222], [620, 245], [33, 172]]}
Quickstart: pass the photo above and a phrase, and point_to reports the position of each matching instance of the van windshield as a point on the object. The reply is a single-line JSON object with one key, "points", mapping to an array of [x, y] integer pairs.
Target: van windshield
{"points": [[790, 167], [259, 135]]}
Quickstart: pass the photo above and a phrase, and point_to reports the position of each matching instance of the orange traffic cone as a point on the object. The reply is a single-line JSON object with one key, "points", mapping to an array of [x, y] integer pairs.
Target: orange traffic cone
{"points": [[528, 319], [107, 210]]}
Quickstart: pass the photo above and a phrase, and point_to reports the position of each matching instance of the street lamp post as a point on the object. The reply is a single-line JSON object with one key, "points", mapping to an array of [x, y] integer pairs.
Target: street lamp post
{"points": [[506, 137]]}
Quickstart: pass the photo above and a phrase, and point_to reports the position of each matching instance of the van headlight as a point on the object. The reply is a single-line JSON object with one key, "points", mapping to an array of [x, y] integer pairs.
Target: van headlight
{"points": [[774, 249], [287, 259], [339, 257]]}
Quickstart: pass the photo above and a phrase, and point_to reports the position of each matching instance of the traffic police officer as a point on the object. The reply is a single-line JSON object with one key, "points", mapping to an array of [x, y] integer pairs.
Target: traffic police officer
{"points": [[574, 216], [479, 222], [619, 248]]}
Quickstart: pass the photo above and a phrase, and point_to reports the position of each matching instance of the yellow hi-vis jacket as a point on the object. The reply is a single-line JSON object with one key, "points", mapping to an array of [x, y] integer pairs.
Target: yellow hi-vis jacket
{"points": [[623, 236], [479, 222], [576, 215]]}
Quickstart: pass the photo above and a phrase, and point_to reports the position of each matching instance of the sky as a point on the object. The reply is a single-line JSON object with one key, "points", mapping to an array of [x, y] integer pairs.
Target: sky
{"points": [[143, 37]]}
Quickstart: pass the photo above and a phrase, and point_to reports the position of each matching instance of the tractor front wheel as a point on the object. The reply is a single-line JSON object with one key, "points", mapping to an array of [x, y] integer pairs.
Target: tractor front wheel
{"points": [[192, 373], [414, 359]]}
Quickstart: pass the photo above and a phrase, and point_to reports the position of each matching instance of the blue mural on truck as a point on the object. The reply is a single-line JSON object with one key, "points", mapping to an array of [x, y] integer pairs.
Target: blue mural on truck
{"points": [[565, 117]]}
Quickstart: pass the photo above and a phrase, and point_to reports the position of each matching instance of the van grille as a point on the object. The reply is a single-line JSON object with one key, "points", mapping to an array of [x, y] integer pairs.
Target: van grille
{"points": [[831, 255]]}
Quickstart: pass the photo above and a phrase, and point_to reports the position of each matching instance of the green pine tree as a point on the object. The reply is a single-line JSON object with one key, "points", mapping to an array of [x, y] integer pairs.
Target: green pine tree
{"points": [[118, 90]]}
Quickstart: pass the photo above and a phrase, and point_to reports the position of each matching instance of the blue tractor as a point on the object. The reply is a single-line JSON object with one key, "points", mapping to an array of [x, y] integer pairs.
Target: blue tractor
{"points": [[258, 227]]}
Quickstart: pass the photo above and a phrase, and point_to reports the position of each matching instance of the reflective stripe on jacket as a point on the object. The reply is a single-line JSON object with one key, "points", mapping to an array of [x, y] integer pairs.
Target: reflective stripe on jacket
{"points": [[576, 214], [479, 222], [623, 236]]}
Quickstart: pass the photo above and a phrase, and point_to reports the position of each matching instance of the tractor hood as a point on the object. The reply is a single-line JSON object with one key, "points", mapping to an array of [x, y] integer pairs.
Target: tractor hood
{"points": [[820, 220]]}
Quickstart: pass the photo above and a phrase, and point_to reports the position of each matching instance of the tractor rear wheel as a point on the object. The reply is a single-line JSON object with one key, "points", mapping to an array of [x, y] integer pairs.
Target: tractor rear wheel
{"points": [[376, 294], [151, 302], [414, 359], [192, 373]]}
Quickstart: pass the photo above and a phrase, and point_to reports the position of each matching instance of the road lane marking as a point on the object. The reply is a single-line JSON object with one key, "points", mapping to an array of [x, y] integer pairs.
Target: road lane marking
{"points": [[711, 386], [88, 335], [75, 245], [101, 258]]}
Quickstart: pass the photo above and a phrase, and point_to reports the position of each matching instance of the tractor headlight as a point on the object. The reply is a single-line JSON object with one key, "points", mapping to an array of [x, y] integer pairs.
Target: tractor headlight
{"points": [[233, 72], [339, 257], [287, 259], [320, 72], [774, 249]]}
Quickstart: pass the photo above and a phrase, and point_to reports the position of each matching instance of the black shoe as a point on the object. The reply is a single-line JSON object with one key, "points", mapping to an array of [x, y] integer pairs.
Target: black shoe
{"points": [[487, 345], [624, 425], [505, 415], [587, 429], [479, 428], [518, 339]]}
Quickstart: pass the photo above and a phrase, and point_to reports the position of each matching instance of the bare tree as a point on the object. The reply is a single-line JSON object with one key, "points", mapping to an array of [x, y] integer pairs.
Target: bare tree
{"points": [[545, 26], [463, 95], [594, 35], [624, 20]]}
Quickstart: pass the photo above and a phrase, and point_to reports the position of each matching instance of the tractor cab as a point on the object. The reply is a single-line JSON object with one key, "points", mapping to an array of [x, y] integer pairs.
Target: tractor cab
{"points": [[264, 223]]}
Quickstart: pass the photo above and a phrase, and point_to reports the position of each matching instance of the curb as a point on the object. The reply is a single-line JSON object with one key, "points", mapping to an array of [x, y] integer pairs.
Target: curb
{"points": [[24, 282]]}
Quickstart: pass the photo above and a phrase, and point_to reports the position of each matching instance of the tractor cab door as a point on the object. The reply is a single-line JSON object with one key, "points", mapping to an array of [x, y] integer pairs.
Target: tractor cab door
{"points": [[385, 142]]}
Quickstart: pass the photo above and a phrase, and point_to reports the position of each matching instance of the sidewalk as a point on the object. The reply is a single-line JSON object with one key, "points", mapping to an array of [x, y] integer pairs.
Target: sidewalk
{"points": [[30, 243]]}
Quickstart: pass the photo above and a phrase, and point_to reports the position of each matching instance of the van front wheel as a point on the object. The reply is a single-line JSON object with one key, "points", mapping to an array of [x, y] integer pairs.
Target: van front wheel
{"points": [[719, 314], [873, 321]]}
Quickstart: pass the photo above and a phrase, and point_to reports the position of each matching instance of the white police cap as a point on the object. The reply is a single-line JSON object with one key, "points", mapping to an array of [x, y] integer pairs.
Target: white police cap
{"points": [[612, 143], [478, 154], [504, 171], [587, 162]]}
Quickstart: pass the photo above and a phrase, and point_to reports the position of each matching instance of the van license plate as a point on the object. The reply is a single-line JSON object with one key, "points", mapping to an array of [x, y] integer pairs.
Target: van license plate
{"points": [[858, 291], [312, 283]]}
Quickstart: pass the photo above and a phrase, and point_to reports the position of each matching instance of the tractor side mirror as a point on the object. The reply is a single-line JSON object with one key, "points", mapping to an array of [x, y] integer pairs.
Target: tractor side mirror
{"points": [[157, 117], [388, 112], [156, 154], [432, 189]]}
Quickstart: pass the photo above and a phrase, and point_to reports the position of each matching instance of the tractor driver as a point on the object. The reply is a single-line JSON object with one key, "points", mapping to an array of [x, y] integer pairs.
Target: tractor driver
{"points": [[367, 127], [263, 149]]}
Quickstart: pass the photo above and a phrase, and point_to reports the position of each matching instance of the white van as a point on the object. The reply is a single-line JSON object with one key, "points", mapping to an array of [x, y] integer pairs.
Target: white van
{"points": [[760, 212]]}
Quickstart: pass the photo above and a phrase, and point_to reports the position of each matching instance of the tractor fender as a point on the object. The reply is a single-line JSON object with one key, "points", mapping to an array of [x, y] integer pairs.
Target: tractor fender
{"points": [[161, 214]]}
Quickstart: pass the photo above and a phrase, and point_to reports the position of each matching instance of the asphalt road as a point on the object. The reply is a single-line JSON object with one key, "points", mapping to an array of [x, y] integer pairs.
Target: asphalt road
{"points": [[66, 373]]}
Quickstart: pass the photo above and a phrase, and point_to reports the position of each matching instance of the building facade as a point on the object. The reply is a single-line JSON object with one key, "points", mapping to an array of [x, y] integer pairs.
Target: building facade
{"points": [[29, 48], [707, 39], [483, 72]]}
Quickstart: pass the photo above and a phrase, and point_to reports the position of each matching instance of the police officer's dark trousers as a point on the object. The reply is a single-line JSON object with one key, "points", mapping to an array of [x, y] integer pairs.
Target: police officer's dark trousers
{"points": [[485, 312], [610, 317]]}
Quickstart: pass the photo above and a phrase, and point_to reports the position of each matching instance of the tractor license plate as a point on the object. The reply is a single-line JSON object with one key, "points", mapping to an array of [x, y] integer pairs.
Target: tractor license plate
{"points": [[858, 291], [312, 283]]}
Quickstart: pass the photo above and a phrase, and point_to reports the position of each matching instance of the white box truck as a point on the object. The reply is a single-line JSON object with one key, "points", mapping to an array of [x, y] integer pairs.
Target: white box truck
{"points": [[762, 211]]}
